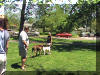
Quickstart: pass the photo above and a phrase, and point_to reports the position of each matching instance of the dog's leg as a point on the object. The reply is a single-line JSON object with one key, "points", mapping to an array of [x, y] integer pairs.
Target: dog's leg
{"points": [[32, 51], [40, 52], [49, 52], [44, 52], [35, 51]]}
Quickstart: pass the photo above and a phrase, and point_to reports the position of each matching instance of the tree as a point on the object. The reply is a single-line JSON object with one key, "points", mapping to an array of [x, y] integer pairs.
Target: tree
{"points": [[13, 20], [82, 15], [42, 13], [52, 18], [22, 19], [12, 11], [98, 18]]}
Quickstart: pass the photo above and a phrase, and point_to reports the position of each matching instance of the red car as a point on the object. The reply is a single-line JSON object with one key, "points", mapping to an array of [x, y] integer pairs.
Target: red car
{"points": [[64, 34]]}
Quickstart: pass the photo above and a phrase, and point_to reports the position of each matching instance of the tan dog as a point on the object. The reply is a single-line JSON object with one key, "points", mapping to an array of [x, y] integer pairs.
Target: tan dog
{"points": [[37, 48]]}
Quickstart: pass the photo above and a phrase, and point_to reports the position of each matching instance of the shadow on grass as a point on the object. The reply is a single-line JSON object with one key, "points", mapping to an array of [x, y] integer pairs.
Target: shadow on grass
{"points": [[34, 56], [49, 73], [62, 45], [15, 66], [74, 46], [53, 72]]}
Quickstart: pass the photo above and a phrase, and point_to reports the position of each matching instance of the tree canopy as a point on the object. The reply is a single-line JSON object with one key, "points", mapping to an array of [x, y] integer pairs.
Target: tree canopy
{"points": [[55, 17]]}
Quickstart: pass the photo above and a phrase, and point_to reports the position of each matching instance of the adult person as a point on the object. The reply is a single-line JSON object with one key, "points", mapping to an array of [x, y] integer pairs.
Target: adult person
{"points": [[23, 46], [4, 38], [49, 39]]}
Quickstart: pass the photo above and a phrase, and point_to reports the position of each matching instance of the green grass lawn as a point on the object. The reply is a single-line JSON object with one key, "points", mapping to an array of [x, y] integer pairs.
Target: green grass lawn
{"points": [[67, 55]]}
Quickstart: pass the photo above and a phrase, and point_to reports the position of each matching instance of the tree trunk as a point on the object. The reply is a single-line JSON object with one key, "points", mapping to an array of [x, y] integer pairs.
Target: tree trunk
{"points": [[43, 28], [22, 19], [98, 18]]}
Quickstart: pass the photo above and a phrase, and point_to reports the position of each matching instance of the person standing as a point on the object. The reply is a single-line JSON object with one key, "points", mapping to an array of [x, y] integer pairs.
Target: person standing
{"points": [[23, 46], [49, 39], [4, 38]]}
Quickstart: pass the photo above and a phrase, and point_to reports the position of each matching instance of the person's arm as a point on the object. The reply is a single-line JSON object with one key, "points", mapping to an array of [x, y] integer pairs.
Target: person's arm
{"points": [[25, 43], [24, 40], [51, 40], [6, 40], [7, 46]]}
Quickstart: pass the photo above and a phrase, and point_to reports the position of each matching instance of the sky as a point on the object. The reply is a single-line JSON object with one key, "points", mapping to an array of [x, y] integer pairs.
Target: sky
{"points": [[54, 1]]}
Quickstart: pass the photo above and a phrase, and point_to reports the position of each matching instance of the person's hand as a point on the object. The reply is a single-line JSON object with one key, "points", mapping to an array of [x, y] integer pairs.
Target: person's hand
{"points": [[26, 46], [6, 48]]}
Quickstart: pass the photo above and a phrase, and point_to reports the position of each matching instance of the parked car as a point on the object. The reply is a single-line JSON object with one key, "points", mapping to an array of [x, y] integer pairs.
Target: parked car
{"points": [[87, 34], [64, 34]]}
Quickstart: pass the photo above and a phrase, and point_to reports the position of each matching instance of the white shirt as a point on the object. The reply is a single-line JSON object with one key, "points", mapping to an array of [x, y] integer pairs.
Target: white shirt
{"points": [[23, 37]]}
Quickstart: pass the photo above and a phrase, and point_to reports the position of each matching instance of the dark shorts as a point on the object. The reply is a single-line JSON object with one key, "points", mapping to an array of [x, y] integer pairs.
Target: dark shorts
{"points": [[23, 52]]}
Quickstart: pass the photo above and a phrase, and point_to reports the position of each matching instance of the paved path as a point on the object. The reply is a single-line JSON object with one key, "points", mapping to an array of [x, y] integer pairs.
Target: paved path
{"points": [[79, 38]]}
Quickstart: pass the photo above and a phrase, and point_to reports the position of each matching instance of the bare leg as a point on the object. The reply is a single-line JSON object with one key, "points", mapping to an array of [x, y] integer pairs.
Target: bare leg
{"points": [[23, 62]]}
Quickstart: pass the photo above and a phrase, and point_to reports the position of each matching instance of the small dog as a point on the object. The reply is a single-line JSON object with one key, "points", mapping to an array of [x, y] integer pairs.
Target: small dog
{"points": [[37, 48], [46, 48]]}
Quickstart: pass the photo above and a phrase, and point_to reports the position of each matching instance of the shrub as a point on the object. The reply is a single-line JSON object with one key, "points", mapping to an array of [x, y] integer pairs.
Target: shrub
{"points": [[74, 34]]}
